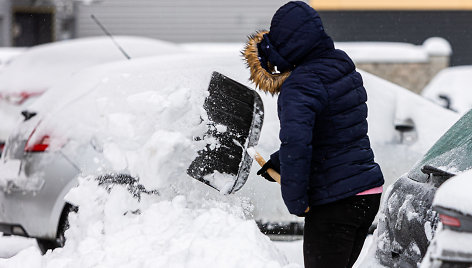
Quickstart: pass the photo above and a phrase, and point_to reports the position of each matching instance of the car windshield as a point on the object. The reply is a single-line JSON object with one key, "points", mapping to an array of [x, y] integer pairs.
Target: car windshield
{"points": [[451, 153]]}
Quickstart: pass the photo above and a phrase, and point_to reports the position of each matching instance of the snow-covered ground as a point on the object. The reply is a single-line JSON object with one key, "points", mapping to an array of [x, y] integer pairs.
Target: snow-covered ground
{"points": [[12, 247]]}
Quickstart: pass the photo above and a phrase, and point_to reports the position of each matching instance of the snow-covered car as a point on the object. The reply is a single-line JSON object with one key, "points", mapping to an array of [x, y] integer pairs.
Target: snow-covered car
{"points": [[8, 54], [452, 243], [106, 120], [407, 222], [109, 121], [451, 88], [38, 68]]}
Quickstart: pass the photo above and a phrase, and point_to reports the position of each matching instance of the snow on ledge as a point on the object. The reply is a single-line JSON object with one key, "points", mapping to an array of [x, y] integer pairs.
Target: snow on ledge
{"points": [[390, 52], [360, 52], [437, 46]]}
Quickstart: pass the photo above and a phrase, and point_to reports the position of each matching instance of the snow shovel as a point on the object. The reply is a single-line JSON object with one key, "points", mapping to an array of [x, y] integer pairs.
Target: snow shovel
{"points": [[236, 114]]}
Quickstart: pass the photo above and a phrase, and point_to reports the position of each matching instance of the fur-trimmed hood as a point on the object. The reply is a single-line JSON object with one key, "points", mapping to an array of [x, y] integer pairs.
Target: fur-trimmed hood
{"points": [[266, 81], [296, 35]]}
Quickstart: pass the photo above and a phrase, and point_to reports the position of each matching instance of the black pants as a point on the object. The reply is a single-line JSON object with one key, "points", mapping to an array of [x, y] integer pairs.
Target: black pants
{"points": [[334, 233]]}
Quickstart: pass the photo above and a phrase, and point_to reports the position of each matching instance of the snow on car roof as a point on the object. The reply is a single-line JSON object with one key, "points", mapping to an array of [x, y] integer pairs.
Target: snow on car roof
{"points": [[39, 67], [455, 193], [453, 82]]}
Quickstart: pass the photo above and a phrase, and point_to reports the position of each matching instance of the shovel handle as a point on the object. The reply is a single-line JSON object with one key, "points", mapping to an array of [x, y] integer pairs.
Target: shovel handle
{"points": [[274, 174]]}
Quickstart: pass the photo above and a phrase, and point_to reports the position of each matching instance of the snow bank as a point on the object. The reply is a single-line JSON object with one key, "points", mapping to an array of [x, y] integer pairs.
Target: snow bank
{"points": [[10, 245], [113, 229]]}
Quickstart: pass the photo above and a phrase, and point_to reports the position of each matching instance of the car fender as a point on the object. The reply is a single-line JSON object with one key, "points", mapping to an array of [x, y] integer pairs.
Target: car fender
{"points": [[60, 203]]}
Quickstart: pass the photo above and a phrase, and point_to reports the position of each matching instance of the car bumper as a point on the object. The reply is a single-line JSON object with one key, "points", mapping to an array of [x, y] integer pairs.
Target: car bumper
{"points": [[36, 213]]}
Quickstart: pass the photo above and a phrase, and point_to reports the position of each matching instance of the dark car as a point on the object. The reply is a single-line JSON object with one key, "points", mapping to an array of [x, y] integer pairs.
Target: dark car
{"points": [[407, 222]]}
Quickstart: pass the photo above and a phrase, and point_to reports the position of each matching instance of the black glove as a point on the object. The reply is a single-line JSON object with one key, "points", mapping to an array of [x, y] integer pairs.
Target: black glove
{"points": [[305, 213], [263, 171]]}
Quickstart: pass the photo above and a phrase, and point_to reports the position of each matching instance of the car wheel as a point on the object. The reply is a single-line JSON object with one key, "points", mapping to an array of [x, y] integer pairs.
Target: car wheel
{"points": [[47, 244]]}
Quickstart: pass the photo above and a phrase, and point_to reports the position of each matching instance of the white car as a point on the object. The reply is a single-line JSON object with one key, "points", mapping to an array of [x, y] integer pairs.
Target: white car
{"points": [[452, 243], [40, 67], [451, 88], [8, 54]]}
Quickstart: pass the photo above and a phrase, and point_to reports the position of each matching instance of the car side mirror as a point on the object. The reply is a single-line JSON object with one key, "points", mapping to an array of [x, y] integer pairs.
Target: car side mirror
{"points": [[407, 130], [435, 175]]}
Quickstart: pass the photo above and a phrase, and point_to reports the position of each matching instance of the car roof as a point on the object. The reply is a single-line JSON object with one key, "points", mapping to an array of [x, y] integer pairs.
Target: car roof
{"points": [[179, 64], [37, 69]]}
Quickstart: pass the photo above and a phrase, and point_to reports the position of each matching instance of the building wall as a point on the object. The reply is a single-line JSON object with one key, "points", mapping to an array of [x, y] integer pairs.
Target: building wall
{"points": [[391, 4], [5, 23], [178, 20], [404, 26], [411, 75]]}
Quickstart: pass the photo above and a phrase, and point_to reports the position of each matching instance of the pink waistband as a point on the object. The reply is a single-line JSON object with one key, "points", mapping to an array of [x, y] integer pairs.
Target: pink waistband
{"points": [[376, 190]]}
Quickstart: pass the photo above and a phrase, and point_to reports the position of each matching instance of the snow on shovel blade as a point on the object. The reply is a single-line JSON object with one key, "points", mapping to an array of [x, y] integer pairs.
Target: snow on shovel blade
{"points": [[239, 111]]}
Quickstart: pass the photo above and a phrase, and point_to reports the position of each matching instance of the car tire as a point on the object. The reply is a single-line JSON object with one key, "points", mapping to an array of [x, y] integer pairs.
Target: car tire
{"points": [[48, 244]]}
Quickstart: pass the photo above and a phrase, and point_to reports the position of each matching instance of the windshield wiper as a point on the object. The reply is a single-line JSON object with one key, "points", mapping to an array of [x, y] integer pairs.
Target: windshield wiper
{"points": [[28, 115], [435, 175]]}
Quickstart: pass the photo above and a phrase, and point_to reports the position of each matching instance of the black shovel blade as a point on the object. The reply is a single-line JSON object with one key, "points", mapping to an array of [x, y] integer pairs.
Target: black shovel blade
{"points": [[235, 114]]}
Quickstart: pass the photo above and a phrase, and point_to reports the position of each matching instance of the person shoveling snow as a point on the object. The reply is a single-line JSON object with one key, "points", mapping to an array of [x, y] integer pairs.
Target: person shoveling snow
{"points": [[327, 168]]}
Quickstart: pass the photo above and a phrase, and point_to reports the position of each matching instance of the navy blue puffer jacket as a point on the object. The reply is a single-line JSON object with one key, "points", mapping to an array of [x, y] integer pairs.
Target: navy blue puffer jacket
{"points": [[325, 153]]}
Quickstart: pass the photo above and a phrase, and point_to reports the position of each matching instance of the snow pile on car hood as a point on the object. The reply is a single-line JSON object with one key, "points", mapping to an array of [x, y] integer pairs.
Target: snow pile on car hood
{"points": [[146, 120], [113, 229]]}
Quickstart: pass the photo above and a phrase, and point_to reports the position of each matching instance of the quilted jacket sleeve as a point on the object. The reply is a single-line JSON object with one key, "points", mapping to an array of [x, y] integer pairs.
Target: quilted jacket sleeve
{"points": [[302, 97], [274, 158]]}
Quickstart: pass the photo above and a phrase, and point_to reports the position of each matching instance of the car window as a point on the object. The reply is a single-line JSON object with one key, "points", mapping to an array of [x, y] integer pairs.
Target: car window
{"points": [[451, 153]]}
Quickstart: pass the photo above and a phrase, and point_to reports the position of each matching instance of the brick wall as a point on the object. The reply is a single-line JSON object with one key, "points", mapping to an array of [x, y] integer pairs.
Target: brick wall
{"points": [[411, 75]]}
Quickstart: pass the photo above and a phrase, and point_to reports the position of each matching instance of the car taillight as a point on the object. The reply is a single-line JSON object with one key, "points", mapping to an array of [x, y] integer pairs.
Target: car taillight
{"points": [[39, 145], [21, 97], [449, 220]]}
